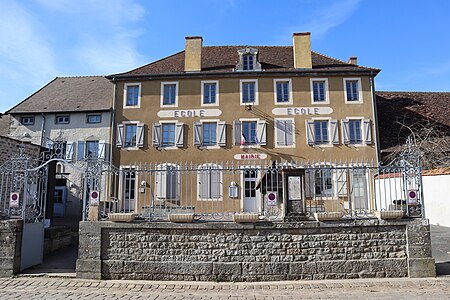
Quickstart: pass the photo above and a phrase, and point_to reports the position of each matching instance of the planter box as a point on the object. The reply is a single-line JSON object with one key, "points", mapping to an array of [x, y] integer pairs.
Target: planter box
{"points": [[389, 214], [122, 217], [328, 216], [245, 218], [181, 218]]}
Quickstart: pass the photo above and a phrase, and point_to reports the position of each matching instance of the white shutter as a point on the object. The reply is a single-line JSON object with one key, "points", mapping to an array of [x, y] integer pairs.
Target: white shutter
{"points": [[309, 183], [140, 135], [280, 127], [179, 135], [101, 150], [237, 132], [367, 132], [198, 134], [261, 132], [171, 183], [80, 150], [340, 182], [69, 151], [345, 131], [310, 132], [289, 127], [161, 180], [156, 138], [215, 183], [222, 132], [119, 135], [334, 131], [203, 182]]}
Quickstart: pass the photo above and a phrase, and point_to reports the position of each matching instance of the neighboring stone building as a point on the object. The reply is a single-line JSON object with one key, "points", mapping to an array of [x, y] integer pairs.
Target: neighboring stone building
{"points": [[74, 112], [236, 104], [422, 115], [4, 125], [10, 147]]}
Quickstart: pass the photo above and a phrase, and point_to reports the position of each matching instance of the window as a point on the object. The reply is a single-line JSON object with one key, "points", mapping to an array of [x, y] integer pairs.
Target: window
{"points": [[167, 182], [94, 119], [209, 93], [132, 94], [209, 133], [322, 132], [356, 131], [63, 119], [249, 92], [323, 182], [169, 94], [283, 91], [169, 135], [284, 132], [27, 120], [352, 89], [319, 89], [209, 182], [250, 132], [130, 135], [92, 149], [354, 127], [326, 181], [248, 62], [129, 184]]}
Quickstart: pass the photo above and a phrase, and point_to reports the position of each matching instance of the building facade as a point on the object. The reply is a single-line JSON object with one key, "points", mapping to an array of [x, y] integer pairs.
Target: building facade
{"points": [[240, 105], [70, 116]]}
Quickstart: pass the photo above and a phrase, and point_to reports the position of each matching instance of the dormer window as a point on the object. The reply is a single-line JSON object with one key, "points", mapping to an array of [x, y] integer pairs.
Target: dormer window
{"points": [[248, 60]]}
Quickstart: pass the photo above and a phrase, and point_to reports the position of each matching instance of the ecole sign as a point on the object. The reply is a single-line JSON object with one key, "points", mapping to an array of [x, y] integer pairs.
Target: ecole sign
{"points": [[253, 156], [301, 111], [189, 113]]}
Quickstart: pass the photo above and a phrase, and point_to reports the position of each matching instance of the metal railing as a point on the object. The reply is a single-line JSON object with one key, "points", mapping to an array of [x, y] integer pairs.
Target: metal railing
{"points": [[273, 190]]}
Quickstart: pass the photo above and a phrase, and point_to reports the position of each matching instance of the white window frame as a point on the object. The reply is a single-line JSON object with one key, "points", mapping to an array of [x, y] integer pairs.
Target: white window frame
{"points": [[275, 81], [216, 146], [361, 119], [122, 184], [203, 82], [62, 116], [125, 124], [327, 91], [219, 167], [125, 95], [276, 133], [162, 93], [256, 102], [31, 118], [93, 115], [360, 93], [330, 141], [174, 147], [158, 167], [86, 148], [242, 128]]}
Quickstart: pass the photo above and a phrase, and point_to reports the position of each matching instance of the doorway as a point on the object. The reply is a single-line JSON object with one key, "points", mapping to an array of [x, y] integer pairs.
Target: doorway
{"points": [[250, 194]]}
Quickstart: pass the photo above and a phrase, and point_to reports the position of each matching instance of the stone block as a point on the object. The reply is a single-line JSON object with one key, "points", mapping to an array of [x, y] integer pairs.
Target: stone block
{"points": [[421, 267], [222, 268]]}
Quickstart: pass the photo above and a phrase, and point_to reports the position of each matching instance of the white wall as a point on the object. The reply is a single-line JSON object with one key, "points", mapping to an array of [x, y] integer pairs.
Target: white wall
{"points": [[436, 191]]}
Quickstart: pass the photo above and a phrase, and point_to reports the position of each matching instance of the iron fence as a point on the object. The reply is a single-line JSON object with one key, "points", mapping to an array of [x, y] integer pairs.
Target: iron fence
{"points": [[273, 190]]}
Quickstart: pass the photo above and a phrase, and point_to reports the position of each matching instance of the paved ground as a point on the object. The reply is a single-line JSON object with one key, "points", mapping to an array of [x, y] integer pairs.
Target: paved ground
{"points": [[67, 289]]}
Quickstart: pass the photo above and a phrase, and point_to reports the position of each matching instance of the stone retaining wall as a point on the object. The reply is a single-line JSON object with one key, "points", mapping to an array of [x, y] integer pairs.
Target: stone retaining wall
{"points": [[10, 247], [254, 252]]}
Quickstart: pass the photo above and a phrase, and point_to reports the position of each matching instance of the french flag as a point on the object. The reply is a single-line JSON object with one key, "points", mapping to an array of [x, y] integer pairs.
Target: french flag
{"points": [[243, 139]]}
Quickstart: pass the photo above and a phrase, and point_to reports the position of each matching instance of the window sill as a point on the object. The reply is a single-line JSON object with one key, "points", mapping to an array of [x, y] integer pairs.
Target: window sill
{"points": [[357, 145], [212, 147], [323, 145], [167, 148], [209, 199], [320, 102], [353, 102], [284, 103], [131, 106], [130, 148], [285, 146], [250, 146]]}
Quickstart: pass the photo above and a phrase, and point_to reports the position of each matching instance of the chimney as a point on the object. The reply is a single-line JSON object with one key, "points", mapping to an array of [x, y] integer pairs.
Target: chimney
{"points": [[193, 54], [302, 50], [353, 60]]}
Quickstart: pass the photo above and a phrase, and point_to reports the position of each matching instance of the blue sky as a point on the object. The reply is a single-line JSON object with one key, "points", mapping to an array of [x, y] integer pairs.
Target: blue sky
{"points": [[42, 39]]}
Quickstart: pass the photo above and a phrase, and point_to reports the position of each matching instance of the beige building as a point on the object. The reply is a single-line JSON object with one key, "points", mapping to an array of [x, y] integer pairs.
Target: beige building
{"points": [[217, 106]]}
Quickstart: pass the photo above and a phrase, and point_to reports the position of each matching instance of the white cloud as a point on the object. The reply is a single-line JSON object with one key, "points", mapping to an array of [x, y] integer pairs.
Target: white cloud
{"points": [[328, 17]]}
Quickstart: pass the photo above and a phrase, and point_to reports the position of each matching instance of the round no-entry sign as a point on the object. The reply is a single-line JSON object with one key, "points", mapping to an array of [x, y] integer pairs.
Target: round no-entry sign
{"points": [[14, 200], [94, 198], [412, 196]]}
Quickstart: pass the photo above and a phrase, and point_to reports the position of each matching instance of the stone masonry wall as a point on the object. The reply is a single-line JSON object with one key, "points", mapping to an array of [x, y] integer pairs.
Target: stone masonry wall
{"points": [[10, 247], [9, 148], [246, 252]]}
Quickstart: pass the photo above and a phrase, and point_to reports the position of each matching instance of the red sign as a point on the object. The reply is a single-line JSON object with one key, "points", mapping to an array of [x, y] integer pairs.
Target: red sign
{"points": [[250, 156], [14, 200]]}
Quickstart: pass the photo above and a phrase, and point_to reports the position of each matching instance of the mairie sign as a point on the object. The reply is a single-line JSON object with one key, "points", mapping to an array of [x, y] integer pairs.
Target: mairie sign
{"points": [[250, 156], [301, 111], [189, 113]]}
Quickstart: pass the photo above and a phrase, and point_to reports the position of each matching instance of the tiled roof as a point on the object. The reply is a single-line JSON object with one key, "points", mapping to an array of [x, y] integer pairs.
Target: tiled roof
{"points": [[223, 59], [410, 109], [70, 94]]}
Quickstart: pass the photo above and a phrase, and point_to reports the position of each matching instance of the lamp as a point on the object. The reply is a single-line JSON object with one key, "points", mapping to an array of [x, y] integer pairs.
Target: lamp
{"points": [[249, 107]]}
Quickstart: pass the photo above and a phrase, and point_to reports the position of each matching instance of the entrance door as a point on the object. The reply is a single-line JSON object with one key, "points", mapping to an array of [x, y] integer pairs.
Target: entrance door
{"points": [[250, 177], [60, 199]]}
